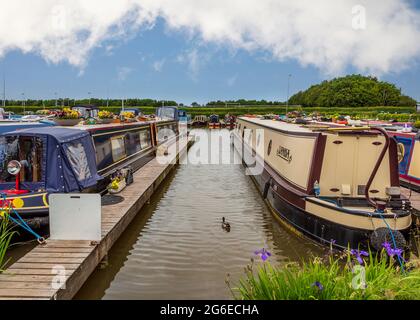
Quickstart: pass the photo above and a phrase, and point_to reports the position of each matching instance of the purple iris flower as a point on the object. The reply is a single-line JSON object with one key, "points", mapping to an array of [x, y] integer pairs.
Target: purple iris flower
{"points": [[358, 254], [392, 252], [263, 253], [318, 285]]}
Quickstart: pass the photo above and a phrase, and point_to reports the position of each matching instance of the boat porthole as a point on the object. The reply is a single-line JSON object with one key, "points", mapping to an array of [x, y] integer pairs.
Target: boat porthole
{"points": [[269, 147], [401, 151]]}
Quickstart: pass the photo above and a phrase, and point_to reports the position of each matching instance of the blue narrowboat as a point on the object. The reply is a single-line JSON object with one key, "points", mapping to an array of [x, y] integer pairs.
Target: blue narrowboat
{"points": [[73, 159], [408, 144]]}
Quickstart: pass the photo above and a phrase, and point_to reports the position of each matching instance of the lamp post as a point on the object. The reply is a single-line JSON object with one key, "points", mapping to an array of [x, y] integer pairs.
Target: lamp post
{"points": [[89, 93], [288, 89], [55, 95]]}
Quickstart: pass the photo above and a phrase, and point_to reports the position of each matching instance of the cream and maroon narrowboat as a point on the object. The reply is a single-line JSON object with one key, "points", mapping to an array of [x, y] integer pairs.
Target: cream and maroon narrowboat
{"points": [[337, 186]]}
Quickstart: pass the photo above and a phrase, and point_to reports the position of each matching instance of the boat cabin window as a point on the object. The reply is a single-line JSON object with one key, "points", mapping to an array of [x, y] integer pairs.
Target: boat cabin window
{"points": [[243, 132], [118, 148], [258, 139], [269, 147], [27, 150], [132, 142], [76, 155], [145, 139]]}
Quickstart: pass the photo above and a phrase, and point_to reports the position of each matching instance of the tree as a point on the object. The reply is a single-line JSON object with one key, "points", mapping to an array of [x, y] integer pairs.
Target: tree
{"points": [[352, 91]]}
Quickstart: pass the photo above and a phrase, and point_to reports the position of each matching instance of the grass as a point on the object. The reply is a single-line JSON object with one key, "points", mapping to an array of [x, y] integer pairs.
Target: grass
{"points": [[6, 234], [331, 278]]}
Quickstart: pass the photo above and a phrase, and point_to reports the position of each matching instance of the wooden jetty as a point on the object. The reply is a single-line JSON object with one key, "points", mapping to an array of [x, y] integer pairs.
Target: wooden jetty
{"points": [[58, 269]]}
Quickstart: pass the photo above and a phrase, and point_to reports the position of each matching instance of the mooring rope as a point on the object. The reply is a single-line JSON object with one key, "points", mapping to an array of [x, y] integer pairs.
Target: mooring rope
{"points": [[19, 221]]}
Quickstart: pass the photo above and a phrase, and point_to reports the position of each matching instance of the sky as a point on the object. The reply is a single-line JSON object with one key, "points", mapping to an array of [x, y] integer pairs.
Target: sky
{"points": [[203, 50]]}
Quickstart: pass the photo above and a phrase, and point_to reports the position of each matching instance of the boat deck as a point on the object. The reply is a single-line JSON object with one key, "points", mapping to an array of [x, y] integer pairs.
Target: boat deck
{"points": [[35, 275]]}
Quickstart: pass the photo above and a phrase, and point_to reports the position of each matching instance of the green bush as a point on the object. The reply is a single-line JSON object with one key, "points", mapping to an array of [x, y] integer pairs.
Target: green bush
{"points": [[417, 124], [383, 113]]}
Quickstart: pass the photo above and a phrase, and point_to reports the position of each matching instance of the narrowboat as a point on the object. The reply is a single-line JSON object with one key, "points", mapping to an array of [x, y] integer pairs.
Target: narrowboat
{"points": [[214, 122], [199, 121], [408, 147], [87, 111], [36, 162], [230, 121], [335, 185]]}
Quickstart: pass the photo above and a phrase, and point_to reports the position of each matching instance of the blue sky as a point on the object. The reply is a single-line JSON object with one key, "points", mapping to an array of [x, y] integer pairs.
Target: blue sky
{"points": [[161, 62]]}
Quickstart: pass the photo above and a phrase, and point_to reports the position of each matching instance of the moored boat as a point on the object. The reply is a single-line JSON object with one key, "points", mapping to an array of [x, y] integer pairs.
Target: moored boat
{"points": [[408, 145], [214, 122], [335, 185], [199, 121], [230, 121], [74, 159]]}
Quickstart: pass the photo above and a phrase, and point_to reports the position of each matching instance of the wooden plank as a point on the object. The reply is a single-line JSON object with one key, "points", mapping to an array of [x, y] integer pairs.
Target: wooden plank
{"points": [[56, 261], [49, 266], [26, 285], [67, 243], [28, 293], [39, 272], [27, 278], [40, 249], [59, 254]]}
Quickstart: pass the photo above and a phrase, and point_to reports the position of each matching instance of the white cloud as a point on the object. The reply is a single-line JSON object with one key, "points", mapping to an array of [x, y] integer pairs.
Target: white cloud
{"points": [[317, 33], [195, 61], [123, 73], [158, 65]]}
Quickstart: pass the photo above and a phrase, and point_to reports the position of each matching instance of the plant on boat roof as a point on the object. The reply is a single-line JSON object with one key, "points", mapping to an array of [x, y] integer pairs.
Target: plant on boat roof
{"points": [[67, 113], [105, 114], [127, 114], [43, 112], [417, 124]]}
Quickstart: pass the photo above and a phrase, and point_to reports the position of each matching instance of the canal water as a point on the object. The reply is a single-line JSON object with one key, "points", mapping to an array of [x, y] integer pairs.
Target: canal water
{"points": [[176, 247]]}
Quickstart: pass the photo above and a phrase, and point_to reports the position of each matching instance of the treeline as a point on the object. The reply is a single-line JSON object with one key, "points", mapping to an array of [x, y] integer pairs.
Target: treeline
{"points": [[352, 91], [243, 102], [94, 101]]}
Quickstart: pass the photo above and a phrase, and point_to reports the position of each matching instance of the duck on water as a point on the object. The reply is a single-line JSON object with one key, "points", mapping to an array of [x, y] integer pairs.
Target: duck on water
{"points": [[337, 186]]}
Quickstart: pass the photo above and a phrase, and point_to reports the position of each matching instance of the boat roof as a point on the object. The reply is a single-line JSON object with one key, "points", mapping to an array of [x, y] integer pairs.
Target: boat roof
{"points": [[278, 125], [61, 134]]}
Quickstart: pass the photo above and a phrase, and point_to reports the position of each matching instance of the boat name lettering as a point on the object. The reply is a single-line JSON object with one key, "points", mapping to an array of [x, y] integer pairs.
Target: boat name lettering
{"points": [[284, 153]]}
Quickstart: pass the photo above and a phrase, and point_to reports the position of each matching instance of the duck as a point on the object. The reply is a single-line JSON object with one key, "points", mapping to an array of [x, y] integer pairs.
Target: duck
{"points": [[225, 225]]}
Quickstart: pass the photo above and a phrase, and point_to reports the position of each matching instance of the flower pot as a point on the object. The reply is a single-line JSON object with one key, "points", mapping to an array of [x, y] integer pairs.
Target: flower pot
{"points": [[67, 122]]}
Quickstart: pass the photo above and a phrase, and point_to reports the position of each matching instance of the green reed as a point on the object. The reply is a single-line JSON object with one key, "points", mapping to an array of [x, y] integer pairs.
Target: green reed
{"points": [[330, 278], [6, 234]]}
